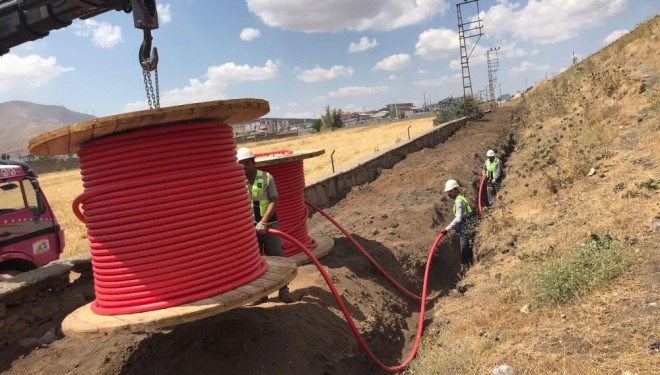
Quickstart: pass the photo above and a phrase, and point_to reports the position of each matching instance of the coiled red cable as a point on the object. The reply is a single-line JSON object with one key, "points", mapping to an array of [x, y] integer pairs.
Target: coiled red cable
{"points": [[373, 261], [167, 216], [349, 320], [291, 212], [481, 187]]}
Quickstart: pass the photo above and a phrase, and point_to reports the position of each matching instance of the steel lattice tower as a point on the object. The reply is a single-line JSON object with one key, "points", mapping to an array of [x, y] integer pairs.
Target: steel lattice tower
{"points": [[467, 30], [493, 65]]}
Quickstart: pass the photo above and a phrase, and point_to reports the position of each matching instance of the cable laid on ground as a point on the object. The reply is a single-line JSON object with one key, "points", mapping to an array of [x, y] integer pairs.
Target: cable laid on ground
{"points": [[481, 187], [291, 212], [349, 320], [369, 257], [167, 216]]}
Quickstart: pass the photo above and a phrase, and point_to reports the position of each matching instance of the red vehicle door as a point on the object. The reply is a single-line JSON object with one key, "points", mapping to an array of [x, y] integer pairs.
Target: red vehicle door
{"points": [[29, 234]]}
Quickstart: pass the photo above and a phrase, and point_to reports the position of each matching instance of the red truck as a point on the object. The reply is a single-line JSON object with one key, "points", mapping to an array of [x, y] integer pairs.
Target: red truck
{"points": [[29, 234]]}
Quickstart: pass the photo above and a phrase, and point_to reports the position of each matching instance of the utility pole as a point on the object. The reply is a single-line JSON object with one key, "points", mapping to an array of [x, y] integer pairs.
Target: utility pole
{"points": [[493, 66], [467, 30], [396, 110], [500, 91]]}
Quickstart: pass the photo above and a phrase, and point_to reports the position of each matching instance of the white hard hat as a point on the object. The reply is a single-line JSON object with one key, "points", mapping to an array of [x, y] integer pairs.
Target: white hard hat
{"points": [[451, 185], [244, 153], [490, 153]]}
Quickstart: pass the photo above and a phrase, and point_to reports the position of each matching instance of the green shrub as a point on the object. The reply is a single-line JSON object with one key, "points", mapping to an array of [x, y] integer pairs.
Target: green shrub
{"points": [[590, 266], [649, 184]]}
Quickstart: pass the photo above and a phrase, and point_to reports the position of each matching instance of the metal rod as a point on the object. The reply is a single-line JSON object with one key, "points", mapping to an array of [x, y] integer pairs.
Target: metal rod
{"points": [[332, 160]]}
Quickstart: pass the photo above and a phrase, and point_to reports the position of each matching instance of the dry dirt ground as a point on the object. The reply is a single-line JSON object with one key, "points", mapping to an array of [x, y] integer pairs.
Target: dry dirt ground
{"points": [[396, 218]]}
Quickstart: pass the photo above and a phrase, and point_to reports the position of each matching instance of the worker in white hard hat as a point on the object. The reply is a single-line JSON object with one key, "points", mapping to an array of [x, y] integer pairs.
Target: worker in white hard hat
{"points": [[493, 171], [263, 193], [463, 224]]}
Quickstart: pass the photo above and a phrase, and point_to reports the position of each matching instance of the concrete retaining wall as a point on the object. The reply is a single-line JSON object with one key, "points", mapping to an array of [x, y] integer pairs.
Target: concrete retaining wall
{"points": [[334, 188], [33, 304]]}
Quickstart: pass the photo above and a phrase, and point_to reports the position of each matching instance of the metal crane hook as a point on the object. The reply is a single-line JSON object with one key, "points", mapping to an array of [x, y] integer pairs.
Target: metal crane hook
{"points": [[148, 57]]}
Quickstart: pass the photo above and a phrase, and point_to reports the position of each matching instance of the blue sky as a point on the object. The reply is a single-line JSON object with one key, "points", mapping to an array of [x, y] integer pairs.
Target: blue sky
{"points": [[302, 55]]}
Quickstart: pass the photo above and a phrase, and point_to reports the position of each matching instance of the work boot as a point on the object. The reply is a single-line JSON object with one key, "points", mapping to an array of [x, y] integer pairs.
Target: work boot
{"points": [[285, 295], [261, 300]]}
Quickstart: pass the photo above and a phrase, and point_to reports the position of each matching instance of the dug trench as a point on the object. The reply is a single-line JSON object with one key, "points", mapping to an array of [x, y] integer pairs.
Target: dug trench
{"points": [[396, 218]]}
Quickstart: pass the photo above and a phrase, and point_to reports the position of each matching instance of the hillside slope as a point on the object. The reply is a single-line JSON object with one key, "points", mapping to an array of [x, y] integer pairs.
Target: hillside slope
{"points": [[569, 272], [20, 121]]}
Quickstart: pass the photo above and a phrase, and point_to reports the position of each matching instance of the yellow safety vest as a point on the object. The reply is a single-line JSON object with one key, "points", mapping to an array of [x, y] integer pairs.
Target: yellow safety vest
{"points": [[491, 168], [467, 205], [259, 196]]}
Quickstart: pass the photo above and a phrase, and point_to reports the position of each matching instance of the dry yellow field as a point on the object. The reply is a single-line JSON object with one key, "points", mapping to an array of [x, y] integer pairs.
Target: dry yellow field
{"points": [[350, 145]]}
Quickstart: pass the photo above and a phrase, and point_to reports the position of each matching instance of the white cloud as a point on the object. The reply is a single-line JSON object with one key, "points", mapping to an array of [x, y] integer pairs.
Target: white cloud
{"points": [[437, 43], [614, 36], [363, 45], [217, 79], [331, 16], [291, 104], [527, 66], [392, 77], [422, 72], [548, 21], [319, 74], [510, 50], [30, 71], [443, 80], [477, 57], [394, 62], [164, 13], [249, 34], [354, 91], [102, 34]]}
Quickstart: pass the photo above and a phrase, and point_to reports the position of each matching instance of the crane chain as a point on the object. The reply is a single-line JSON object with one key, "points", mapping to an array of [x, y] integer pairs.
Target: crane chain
{"points": [[153, 98]]}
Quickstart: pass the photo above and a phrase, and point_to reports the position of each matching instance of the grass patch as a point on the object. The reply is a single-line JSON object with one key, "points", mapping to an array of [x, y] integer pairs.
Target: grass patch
{"points": [[441, 358], [590, 266], [649, 184]]}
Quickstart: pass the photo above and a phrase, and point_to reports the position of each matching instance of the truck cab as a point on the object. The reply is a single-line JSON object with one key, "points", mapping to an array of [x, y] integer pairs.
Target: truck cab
{"points": [[30, 236]]}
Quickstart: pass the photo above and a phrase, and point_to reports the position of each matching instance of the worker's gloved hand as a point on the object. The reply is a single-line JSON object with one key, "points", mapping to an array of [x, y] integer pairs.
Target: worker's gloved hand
{"points": [[261, 228], [443, 232]]}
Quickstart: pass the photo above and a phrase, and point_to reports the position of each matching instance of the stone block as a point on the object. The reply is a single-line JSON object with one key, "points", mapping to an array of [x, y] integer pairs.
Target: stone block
{"points": [[71, 302], [18, 326], [45, 310]]}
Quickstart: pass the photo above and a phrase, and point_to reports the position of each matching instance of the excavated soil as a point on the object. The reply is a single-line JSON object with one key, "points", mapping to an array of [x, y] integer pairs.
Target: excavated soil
{"points": [[396, 218]]}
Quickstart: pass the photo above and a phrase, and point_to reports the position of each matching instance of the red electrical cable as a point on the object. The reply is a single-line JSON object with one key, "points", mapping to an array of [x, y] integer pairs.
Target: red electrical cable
{"points": [[481, 187], [167, 216], [291, 212], [349, 320], [369, 257]]}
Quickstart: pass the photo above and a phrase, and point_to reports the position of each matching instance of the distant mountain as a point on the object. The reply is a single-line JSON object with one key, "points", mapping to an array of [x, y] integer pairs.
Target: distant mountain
{"points": [[21, 121]]}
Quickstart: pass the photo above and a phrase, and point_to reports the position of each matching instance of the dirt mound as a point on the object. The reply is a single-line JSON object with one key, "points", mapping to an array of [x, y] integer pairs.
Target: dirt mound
{"points": [[395, 218]]}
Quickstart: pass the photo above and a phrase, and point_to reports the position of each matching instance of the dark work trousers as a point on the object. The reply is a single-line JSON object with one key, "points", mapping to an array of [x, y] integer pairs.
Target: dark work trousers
{"points": [[467, 241], [491, 191], [271, 245]]}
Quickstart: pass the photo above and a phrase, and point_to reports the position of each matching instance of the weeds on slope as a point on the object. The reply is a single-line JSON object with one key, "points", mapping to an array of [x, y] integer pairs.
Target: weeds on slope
{"points": [[590, 266]]}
